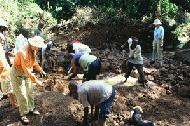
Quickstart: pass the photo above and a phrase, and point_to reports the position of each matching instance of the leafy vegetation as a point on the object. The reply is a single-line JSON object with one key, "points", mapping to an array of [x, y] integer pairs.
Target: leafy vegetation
{"points": [[78, 13], [22, 13]]}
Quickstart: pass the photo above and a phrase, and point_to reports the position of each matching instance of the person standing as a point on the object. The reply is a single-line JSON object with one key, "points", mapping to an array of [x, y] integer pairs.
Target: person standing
{"points": [[6, 85], [157, 53], [3, 29], [21, 40], [96, 93], [39, 32], [21, 77]]}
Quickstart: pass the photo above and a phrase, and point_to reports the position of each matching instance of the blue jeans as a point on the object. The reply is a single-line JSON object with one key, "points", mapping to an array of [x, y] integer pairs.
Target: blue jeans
{"points": [[106, 106]]}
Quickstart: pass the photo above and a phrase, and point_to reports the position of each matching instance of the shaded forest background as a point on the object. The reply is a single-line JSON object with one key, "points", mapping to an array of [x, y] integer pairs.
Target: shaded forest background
{"points": [[75, 15]]}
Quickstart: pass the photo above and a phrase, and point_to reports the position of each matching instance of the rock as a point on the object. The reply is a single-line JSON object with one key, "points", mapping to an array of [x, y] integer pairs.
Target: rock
{"points": [[115, 123], [151, 78], [184, 91], [168, 92], [171, 76], [180, 78], [121, 123], [105, 66]]}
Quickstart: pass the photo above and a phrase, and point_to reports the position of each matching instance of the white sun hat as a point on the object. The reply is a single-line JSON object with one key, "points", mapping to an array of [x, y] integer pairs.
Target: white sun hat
{"points": [[157, 21], [37, 41], [3, 23]]}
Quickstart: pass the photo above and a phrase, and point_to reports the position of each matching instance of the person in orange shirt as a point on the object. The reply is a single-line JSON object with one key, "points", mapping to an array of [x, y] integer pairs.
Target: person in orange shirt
{"points": [[6, 86], [21, 77]]}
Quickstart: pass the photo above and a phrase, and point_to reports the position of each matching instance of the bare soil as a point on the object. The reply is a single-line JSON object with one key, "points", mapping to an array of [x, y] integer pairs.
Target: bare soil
{"points": [[165, 101]]}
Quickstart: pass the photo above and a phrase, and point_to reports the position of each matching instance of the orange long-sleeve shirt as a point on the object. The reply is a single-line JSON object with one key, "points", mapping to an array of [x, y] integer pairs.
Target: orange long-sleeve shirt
{"points": [[4, 72], [4, 66], [24, 62]]}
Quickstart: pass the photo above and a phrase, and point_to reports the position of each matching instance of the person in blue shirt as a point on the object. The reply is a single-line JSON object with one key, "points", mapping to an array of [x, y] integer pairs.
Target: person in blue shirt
{"points": [[89, 63], [157, 44]]}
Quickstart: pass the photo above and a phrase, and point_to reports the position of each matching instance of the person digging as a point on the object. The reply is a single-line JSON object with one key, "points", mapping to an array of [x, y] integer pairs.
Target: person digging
{"points": [[96, 93], [90, 64], [135, 60]]}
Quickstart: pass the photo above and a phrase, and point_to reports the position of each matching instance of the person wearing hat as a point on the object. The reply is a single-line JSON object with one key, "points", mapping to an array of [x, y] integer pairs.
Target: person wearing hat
{"points": [[158, 42], [89, 63], [21, 77], [98, 93], [135, 60]]}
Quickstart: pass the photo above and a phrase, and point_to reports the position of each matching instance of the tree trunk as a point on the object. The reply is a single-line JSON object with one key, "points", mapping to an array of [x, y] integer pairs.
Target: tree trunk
{"points": [[158, 9]]}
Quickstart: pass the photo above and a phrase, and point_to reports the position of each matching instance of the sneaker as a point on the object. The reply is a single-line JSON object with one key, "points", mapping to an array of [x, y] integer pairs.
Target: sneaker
{"points": [[34, 112], [24, 120]]}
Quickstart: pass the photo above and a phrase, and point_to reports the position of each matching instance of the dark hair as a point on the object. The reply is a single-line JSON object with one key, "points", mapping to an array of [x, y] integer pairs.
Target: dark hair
{"points": [[134, 43], [41, 23], [72, 87], [70, 47], [3, 28], [24, 32]]}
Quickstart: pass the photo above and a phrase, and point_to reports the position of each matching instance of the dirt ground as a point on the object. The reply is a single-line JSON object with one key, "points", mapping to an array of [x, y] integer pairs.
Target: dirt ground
{"points": [[162, 101], [159, 104]]}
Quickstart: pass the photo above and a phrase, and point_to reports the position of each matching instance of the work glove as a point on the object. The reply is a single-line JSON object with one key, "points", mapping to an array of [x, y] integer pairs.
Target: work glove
{"points": [[43, 74], [39, 83]]}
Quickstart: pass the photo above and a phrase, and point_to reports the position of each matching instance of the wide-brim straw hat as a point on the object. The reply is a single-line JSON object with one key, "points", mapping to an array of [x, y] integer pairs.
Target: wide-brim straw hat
{"points": [[3, 23], [37, 41], [157, 22]]}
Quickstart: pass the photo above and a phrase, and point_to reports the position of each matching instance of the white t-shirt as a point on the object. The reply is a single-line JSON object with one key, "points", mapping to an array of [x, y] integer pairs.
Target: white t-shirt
{"points": [[136, 53], [21, 41], [81, 48], [94, 92]]}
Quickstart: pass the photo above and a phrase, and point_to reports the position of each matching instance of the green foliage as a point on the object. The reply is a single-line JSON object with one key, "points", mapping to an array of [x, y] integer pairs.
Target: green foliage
{"points": [[169, 9], [18, 14], [61, 9]]}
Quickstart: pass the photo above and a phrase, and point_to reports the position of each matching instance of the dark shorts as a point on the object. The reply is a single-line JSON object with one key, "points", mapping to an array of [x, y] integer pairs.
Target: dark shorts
{"points": [[106, 106], [93, 70]]}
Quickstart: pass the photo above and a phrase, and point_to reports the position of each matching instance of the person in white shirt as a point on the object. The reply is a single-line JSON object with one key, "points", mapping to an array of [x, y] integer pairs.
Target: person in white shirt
{"points": [[158, 43], [135, 60], [77, 47], [21, 40], [96, 93]]}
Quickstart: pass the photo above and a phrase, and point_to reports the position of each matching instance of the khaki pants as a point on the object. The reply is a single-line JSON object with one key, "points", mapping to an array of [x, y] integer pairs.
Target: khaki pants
{"points": [[6, 86], [23, 90], [157, 53]]}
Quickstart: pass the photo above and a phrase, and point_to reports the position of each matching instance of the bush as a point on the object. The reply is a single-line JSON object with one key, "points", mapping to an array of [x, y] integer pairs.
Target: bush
{"points": [[20, 14]]}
